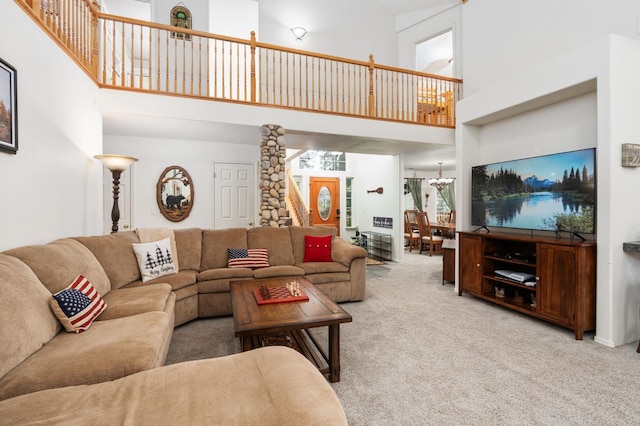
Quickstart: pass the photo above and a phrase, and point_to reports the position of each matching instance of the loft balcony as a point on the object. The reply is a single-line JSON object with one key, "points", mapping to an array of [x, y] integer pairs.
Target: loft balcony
{"points": [[128, 54]]}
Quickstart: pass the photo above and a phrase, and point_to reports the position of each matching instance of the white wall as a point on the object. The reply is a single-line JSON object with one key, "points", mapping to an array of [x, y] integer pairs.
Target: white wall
{"points": [[234, 19], [350, 29], [196, 157], [371, 172], [55, 185], [524, 34]]}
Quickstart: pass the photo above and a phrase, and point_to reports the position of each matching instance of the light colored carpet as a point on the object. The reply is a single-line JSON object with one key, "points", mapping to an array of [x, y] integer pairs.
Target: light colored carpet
{"points": [[416, 353]]}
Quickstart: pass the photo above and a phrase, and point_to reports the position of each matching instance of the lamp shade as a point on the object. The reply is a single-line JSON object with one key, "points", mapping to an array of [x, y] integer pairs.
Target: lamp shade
{"points": [[115, 163]]}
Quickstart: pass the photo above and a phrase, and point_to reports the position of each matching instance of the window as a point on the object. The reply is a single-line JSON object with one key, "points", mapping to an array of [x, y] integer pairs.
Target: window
{"points": [[349, 201], [435, 55], [323, 160], [442, 209]]}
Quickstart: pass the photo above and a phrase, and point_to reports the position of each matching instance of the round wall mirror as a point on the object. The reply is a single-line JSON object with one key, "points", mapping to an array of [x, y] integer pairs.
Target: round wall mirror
{"points": [[174, 193]]}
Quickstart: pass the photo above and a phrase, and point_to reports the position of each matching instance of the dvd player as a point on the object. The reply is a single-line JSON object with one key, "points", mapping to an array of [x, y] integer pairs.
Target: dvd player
{"points": [[520, 277]]}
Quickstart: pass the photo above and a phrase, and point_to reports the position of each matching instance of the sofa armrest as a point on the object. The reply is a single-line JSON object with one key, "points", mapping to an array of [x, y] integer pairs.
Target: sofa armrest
{"points": [[343, 252]]}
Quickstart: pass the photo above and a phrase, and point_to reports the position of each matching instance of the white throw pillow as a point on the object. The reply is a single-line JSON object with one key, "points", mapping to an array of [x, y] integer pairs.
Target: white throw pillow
{"points": [[155, 259]]}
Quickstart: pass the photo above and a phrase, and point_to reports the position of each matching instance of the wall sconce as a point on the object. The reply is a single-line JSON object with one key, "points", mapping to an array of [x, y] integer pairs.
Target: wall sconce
{"points": [[298, 32], [116, 164]]}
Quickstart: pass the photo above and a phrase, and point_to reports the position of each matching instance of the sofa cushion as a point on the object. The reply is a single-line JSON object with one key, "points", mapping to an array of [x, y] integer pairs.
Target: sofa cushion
{"points": [[250, 388], [322, 267], [109, 350], [215, 243], [28, 322], [277, 241], [45, 260], [149, 235], [125, 302], [299, 232], [317, 249], [278, 271], [177, 281], [115, 254], [248, 258], [220, 273], [189, 247], [78, 305], [219, 285], [155, 259]]}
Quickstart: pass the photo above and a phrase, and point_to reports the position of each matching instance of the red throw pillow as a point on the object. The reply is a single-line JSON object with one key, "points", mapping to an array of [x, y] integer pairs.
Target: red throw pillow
{"points": [[317, 249]]}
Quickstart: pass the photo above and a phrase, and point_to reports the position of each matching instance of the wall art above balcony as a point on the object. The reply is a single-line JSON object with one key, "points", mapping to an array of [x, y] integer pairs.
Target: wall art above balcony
{"points": [[175, 194], [8, 108]]}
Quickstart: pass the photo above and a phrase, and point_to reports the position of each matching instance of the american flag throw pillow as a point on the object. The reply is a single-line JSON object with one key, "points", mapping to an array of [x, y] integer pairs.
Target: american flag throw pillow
{"points": [[78, 305], [248, 258]]}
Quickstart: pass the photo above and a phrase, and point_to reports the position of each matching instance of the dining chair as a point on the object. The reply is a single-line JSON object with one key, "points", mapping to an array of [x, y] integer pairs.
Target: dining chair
{"points": [[427, 239], [410, 234]]}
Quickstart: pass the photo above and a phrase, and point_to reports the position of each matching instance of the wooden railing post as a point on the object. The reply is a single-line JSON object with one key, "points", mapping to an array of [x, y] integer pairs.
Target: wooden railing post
{"points": [[372, 99], [253, 67], [95, 49]]}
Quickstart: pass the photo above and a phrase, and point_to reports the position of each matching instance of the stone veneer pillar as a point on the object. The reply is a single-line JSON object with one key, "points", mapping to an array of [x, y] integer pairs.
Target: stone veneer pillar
{"points": [[272, 176]]}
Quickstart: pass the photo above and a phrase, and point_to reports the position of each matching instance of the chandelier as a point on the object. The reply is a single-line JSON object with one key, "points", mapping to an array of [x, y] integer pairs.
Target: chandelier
{"points": [[440, 182]]}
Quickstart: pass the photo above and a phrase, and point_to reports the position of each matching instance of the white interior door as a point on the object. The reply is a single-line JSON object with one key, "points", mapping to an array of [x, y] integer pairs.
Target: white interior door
{"points": [[234, 187]]}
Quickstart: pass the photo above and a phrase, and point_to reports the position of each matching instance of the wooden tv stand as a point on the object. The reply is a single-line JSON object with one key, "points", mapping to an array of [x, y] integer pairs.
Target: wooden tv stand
{"points": [[565, 276]]}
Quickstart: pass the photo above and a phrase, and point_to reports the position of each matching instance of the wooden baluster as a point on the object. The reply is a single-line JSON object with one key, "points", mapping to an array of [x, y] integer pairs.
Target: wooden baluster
{"points": [[372, 112], [253, 66]]}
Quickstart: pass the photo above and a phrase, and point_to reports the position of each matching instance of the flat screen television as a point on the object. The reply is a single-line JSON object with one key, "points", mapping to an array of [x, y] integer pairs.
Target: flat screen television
{"points": [[555, 192]]}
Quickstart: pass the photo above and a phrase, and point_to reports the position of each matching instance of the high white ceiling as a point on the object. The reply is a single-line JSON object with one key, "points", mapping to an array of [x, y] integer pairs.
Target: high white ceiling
{"points": [[418, 156]]}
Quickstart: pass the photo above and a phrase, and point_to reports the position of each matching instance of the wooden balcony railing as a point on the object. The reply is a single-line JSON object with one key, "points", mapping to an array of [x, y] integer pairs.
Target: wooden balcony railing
{"points": [[129, 54]]}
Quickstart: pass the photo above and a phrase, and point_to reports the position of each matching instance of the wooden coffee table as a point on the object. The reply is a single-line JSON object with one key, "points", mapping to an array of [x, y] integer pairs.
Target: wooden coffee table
{"points": [[289, 322]]}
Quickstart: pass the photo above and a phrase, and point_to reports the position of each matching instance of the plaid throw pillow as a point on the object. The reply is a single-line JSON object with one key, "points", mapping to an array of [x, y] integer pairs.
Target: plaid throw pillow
{"points": [[247, 258], [155, 259], [78, 305]]}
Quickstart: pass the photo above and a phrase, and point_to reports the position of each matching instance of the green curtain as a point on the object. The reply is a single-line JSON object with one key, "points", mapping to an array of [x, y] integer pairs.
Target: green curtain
{"points": [[415, 187], [449, 196]]}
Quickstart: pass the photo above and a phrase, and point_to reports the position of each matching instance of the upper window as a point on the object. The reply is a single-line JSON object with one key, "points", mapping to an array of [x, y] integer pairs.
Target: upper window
{"points": [[323, 160], [181, 17], [435, 55]]}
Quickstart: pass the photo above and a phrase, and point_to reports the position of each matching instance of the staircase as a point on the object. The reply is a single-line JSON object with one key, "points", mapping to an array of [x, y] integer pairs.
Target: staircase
{"points": [[298, 212]]}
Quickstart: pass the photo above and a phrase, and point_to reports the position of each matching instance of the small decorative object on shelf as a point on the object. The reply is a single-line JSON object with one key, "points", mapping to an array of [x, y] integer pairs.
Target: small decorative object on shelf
{"points": [[517, 297]]}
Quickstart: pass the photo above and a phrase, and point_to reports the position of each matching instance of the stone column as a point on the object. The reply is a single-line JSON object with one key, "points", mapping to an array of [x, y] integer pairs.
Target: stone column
{"points": [[272, 176]]}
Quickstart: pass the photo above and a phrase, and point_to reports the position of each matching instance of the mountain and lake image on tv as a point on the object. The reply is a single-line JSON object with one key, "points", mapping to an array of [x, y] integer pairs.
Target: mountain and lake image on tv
{"points": [[553, 192]]}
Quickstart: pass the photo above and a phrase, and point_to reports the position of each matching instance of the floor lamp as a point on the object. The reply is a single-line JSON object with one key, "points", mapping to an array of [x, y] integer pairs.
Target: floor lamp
{"points": [[116, 164]]}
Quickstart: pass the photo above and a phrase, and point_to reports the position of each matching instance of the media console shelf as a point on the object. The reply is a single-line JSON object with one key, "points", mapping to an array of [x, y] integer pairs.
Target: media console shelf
{"points": [[553, 280]]}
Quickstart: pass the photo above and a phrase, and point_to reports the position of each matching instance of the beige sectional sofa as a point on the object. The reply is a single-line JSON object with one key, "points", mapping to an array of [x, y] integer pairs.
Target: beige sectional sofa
{"points": [[115, 360]]}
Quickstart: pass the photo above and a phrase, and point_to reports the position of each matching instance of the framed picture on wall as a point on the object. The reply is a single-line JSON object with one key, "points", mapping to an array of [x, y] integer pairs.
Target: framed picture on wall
{"points": [[8, 108]]}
